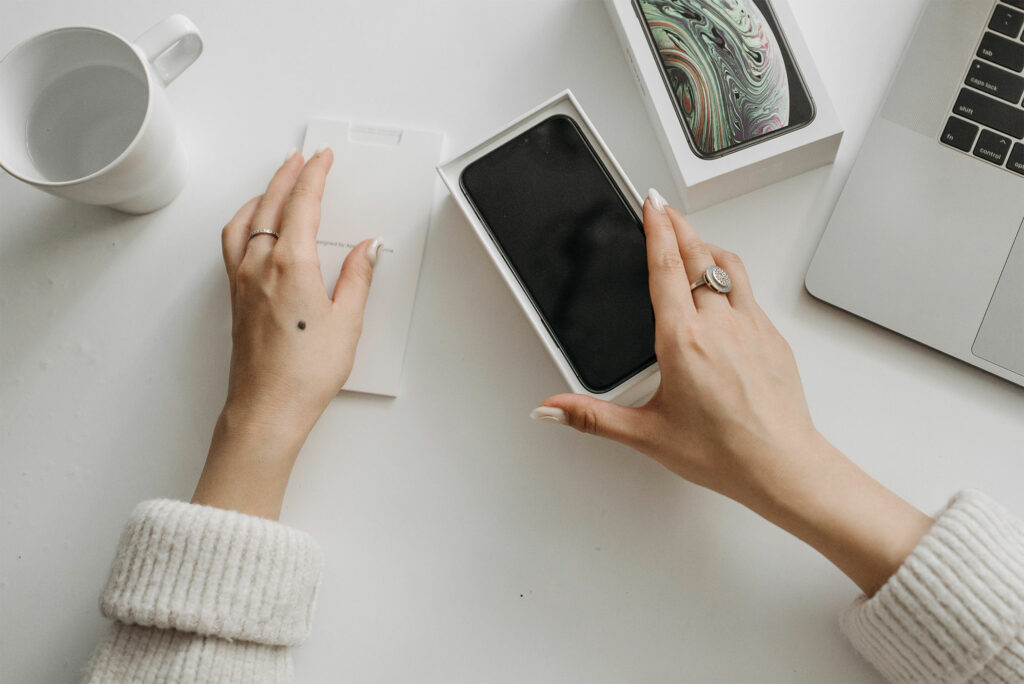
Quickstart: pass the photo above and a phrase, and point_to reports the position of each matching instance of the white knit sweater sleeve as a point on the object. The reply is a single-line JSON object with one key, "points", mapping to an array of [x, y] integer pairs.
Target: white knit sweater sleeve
{"points": [[201, 594], [954, 611]]}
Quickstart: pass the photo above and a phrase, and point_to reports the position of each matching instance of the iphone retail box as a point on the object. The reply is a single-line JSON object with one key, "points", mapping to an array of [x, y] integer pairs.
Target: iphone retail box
{"points": [[779, 56], [637, 388]]}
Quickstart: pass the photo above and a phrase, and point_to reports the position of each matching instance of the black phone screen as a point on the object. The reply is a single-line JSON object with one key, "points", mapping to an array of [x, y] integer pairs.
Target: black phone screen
{"points": [[575, 244]]}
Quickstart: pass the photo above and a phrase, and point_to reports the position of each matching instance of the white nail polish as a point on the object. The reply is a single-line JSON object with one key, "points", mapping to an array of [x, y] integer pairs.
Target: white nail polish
{"points": [[373, 251], [321, 149], [549, 414], [657, 201], [291, 153]]}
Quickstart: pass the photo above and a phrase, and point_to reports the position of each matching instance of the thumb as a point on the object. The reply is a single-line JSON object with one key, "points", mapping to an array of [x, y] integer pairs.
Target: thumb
{"points": [[353, 286], [590, 415]]}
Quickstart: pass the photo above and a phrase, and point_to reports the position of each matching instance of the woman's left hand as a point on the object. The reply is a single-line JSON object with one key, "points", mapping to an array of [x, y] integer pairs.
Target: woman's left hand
{"points": [[293, 345]]}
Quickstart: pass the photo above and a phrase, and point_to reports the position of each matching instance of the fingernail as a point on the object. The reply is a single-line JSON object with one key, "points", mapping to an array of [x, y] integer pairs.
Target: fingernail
{"points": [[657, 201], [373, 251], [291, 153], [321, 149], [549, 414]]}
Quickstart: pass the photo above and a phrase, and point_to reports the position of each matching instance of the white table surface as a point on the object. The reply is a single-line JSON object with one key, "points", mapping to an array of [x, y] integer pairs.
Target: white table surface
{"points": [[464, 542]]}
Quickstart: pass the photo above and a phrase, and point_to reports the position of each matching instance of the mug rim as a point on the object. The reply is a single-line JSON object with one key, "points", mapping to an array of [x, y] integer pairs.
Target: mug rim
{"points": [[138, 134]]}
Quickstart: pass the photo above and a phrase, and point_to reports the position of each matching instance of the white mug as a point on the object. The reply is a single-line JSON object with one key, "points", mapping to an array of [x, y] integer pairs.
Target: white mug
{"points": [[83, 114]]}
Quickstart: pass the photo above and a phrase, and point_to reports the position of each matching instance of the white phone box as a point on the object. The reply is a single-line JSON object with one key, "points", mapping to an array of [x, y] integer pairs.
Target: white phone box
{"points": [[703, 182], [636, 389], [370, 161]]}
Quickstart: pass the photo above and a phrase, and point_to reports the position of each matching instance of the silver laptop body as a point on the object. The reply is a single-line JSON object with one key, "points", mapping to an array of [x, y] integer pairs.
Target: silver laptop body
{"points": [[927, 236]]}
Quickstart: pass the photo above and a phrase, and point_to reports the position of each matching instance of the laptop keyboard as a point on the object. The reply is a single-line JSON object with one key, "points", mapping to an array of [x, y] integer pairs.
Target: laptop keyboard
{"points": [[988, 116]]}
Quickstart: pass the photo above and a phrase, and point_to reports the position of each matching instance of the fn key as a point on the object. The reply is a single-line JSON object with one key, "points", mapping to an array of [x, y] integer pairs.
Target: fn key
{"points": [[959, 134]]}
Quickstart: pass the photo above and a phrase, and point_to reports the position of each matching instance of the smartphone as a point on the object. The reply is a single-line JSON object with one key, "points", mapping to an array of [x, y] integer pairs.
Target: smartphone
{"points": [[728, 69], [577, 247]]}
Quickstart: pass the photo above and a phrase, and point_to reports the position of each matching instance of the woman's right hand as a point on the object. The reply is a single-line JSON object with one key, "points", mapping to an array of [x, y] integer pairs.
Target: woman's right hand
{"points": [[730, 413]]}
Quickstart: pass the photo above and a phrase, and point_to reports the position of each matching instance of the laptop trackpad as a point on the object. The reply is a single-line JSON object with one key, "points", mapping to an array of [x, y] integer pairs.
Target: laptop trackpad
{"points": [[1001, 337]]}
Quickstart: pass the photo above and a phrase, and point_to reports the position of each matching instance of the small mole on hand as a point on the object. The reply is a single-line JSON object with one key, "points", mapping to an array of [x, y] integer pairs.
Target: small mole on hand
{"points": [[302, 325]]}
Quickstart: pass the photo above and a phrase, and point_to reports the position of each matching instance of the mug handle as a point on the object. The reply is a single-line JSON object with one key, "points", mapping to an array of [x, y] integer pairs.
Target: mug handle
{"points": [[171, 46]]}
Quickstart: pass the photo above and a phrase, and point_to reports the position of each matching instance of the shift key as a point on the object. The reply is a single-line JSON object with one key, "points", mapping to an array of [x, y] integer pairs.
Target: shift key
{"points": [[988, 112]]}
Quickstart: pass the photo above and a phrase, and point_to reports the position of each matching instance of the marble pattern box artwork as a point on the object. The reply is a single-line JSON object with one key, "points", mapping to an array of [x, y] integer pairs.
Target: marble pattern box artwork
{"points": [[731, 90]]}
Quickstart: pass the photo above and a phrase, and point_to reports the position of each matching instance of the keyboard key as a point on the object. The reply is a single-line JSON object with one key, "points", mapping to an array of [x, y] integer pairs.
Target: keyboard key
{"points": [[993, 147], [1006, 20], [1016, 162], [1019, 4], [988, 112], [1005, 53], [959, 134], [995, 81]]}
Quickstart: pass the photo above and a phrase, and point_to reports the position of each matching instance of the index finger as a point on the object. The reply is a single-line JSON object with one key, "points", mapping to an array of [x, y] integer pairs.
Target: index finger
{"points": [[670, 290], [301, 219]]}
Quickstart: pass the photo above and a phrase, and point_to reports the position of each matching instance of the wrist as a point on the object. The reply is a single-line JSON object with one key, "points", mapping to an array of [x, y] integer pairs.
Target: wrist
{"points": [[270, 433], [827, 501], [249, 462], [777, 477]]}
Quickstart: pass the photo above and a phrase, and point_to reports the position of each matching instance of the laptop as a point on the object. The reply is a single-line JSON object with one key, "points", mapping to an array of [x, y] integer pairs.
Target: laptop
{"points": [[927, 237]]}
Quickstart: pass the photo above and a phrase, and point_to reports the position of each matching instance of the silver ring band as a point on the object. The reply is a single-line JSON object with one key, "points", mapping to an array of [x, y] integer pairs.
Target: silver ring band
{"points": [[716, 279], [264, 231]]}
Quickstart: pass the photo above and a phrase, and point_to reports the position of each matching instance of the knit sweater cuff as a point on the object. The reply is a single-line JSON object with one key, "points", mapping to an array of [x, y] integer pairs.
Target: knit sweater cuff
{"points": [[213, 572], [954, 604]]}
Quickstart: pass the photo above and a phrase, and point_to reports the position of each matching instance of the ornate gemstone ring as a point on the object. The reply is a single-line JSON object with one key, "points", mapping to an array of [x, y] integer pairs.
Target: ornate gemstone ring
{"points": [[716, 279]]}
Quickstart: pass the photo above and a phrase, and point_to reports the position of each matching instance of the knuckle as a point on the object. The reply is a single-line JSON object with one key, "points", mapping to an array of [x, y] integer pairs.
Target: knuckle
{"points": [[669, 261], [357, 272], [731, 258], [246, 273], [282, 259], [364, 273], [696, 252], [285, 259], [588, 421], [784, 346], [303, 190]]}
